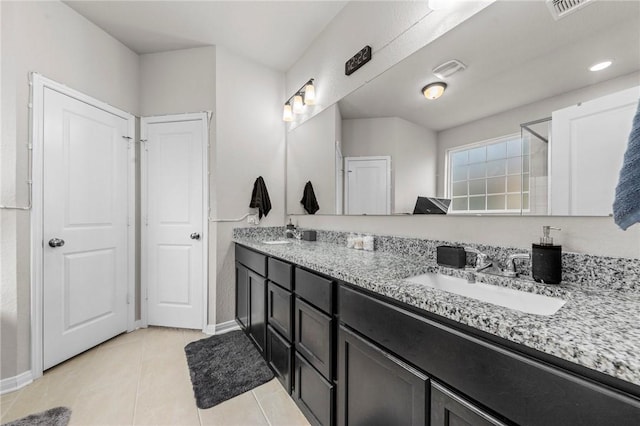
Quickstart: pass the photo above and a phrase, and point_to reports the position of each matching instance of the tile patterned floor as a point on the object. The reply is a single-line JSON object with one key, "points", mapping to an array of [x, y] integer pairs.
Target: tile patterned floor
{"points": [[141, 378]]}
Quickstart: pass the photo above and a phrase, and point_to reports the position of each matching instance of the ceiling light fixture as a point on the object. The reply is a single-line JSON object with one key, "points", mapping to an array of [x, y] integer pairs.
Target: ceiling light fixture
{"points": [[600, 66], [439, 4], [434, 90], [306, 95]]}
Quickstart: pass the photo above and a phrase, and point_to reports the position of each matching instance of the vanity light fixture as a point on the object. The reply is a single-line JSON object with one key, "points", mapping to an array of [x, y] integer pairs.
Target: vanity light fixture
{"points": [[306, 95], [297, 104], [600, 66], [310, 93], [434, 90], [287, 114]]}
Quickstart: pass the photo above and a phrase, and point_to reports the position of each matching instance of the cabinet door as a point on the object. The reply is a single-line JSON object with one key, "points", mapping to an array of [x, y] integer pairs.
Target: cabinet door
{"points": [[313, 336], [279, 353], [279, 313], [375, 388], [313, 393], [242, 295], [257, 314], [448, 409]]}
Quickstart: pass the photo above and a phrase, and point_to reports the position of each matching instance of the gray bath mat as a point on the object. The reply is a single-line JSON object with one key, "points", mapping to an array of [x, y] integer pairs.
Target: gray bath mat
{"points": [[58, 416], [224, 366]]}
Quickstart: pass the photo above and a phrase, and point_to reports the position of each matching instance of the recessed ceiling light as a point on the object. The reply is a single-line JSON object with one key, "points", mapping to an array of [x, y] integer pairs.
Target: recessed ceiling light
{"points": [[600, 66]]}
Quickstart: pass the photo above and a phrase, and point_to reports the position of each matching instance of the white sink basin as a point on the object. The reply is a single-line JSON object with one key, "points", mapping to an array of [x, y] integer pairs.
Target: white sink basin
{"points": [[523, 301], [277, 242]]}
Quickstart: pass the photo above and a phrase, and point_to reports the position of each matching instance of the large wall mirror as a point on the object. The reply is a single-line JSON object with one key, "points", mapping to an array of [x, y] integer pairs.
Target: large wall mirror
{"points": [[525, 128]]}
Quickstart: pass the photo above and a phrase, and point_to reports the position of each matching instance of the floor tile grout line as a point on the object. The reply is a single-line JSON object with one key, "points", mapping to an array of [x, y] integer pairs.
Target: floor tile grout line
{"points": [[264, 414], [135, 403]]}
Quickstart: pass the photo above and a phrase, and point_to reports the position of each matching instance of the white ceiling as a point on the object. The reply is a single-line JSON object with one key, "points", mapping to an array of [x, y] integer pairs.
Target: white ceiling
{"points": [[273, 33], [516, 54]]}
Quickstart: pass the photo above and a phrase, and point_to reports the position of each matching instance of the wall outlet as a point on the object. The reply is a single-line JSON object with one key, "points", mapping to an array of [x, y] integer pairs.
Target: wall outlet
{"points": [[252, 219]]}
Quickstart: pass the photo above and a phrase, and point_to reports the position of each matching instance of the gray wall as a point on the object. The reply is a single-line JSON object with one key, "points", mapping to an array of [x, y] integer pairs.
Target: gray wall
{"points": [[311, 157], [249, 142], [53, 40], [412, 150]]}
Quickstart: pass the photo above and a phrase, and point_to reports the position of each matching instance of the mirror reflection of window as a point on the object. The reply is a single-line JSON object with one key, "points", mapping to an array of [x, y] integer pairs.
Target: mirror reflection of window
{"points": [[490, 176]]}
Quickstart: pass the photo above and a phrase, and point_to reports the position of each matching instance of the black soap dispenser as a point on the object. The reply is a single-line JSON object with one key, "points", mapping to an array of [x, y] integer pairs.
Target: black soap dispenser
{"points": [[290, 228], [546, 259]]}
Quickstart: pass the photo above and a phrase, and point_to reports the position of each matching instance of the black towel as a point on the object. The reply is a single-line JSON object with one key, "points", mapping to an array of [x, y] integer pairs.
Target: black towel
{"points": [[309, 201], [260, 198]]}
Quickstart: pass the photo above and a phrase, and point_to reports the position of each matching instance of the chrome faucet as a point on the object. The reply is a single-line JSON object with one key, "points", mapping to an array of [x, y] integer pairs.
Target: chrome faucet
{"points": [[510, 267], [482, 260]]}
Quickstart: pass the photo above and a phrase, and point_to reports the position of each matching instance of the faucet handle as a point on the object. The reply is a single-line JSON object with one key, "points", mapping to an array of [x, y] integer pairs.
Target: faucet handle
{"points": [[482, 259], [510, 266]]}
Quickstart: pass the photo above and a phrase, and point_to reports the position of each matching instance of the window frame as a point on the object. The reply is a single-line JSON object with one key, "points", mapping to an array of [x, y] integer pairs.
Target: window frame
{"points": [[448, 178]]}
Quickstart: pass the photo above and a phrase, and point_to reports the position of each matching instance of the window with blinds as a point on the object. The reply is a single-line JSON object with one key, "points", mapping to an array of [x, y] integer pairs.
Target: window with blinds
{"points": [[490, 176]]}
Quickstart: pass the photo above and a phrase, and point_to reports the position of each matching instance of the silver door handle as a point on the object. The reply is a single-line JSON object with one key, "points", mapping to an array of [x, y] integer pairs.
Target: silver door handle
{"points": [[56, 242], [194, 236]]}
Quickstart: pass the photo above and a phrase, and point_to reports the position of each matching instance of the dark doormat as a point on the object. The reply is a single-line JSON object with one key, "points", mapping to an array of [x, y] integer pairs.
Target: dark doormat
{"points": [[224, 366], [58, 416]]}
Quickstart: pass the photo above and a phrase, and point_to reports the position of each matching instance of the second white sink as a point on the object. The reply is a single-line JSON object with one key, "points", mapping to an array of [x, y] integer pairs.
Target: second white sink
{"points": [[523, 301]]}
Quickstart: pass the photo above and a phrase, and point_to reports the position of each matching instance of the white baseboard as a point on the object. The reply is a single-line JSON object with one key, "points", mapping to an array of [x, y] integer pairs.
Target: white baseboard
{"points": [[221, 328], [139, 324], [11, 384]]}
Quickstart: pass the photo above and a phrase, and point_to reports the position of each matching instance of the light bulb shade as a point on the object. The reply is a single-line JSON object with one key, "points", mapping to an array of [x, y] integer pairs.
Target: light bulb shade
{"points": [[434, 90], [439, 4], [297, 104], [309, 94], [287, 113]]}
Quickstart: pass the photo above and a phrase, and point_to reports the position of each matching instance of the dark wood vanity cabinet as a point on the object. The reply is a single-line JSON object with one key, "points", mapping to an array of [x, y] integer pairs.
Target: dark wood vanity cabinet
{"points": [[376, 388], [503, 384], [351, 357]]}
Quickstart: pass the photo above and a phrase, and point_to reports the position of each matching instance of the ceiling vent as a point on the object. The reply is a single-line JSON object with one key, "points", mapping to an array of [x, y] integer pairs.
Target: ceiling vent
{"points": [[561, 8], [449, 68]]}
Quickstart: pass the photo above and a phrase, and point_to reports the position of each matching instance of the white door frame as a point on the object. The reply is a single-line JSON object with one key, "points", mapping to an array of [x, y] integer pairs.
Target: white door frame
{"points": [[38, 84], [366, 158], [144, 169]]}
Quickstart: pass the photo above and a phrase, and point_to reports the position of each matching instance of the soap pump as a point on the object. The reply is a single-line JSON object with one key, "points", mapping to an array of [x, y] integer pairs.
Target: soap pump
{"points": [[546, 259], [290, 228]]}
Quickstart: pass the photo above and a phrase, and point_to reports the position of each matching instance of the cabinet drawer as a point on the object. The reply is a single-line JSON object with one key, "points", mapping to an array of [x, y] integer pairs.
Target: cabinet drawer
{"points": [[313, 394], [313, 336], [496, 378], [315, 289], [279, 310], [279, 354], [364, 370], [281, 273], [448, 409], [252, 260]]}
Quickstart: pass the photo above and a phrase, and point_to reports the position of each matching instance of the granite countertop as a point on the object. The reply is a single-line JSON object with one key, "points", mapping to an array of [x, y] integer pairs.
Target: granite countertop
{"points": [[598, 329]]}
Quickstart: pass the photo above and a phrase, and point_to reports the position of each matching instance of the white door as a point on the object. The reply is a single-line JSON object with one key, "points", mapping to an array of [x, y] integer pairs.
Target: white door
{"points": [[85, 212], [587, 137], [368, 187], [175, 241]]}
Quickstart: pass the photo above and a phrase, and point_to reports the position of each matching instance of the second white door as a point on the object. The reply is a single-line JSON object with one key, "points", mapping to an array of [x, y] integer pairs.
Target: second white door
{"points": [[368, 187], [174, 160]]}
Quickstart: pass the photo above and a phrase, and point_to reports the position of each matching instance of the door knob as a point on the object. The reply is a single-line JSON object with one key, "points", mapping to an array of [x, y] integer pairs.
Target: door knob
{"points": [[195, 236], [56, 242]]}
